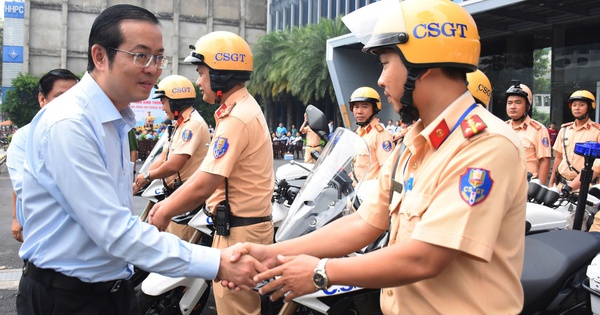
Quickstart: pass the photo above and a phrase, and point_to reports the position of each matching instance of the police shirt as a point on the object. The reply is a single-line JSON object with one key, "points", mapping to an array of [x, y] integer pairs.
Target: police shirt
{"points": [[380, 145], [568, 135], [192, 138], [464, 189], [241, 150], [535, 141]]}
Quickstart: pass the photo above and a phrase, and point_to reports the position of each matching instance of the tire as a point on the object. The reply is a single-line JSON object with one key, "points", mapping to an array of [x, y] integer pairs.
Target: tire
{"points": [[168, 303]]}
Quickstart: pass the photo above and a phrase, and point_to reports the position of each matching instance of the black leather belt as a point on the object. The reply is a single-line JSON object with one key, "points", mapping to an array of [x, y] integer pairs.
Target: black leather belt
{"points": [[242, 221], [52, 278]]}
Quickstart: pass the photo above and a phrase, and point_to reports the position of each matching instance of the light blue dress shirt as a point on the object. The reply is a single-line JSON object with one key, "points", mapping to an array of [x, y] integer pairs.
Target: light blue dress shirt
{"points": [[15, 157], [77, 197]]}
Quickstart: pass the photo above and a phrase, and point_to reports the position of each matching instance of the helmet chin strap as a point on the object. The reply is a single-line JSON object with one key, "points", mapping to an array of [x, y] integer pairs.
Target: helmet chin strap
{"points": [[408, 113], [366, 122], [521, 119], [582, 117]]}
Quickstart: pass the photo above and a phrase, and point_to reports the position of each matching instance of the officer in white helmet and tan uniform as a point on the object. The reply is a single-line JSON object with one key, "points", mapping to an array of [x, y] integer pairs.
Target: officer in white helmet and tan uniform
{"points": [[534, 135], [365, 104], [187, 144]]}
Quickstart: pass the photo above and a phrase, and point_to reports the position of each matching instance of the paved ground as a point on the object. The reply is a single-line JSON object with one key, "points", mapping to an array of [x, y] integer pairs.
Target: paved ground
{"points": [[10, 263]]}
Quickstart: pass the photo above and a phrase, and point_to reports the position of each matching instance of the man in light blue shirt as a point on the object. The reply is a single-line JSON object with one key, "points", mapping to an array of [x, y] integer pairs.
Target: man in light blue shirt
{"points": [[80, 237], [51, 85]]}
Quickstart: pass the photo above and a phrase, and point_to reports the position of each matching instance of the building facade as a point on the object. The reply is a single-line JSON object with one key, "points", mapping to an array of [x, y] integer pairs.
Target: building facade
{"points": [[44, 35], [551, 46]]}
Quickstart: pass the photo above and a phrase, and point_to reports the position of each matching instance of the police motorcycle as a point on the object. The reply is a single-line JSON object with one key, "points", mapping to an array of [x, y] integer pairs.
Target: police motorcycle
{"points": [[328, 194], [547, 209], [163, 295]]}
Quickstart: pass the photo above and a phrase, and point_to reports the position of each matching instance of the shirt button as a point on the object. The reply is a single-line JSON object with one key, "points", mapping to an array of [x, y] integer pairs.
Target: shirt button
{"points": [[390, 292]]}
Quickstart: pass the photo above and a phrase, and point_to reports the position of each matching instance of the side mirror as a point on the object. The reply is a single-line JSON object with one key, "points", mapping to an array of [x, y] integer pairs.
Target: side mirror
{"points": [[317, 122]]}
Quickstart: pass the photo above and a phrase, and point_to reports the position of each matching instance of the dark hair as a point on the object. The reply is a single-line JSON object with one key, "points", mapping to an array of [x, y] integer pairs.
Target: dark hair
{"points": [[106, 30], [455, 73], [47, 81]]}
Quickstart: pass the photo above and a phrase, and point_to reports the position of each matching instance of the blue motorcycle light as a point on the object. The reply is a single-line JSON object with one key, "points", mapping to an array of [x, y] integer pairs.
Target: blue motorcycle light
{"points": [[588, 148]]}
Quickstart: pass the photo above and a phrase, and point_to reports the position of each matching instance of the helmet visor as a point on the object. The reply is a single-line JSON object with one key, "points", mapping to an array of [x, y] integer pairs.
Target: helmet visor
{"points": [[362, 23]]}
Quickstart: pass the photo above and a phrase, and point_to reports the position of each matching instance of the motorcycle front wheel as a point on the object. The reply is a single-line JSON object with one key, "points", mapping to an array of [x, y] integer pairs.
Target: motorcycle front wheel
{"points": [[168, 302]]}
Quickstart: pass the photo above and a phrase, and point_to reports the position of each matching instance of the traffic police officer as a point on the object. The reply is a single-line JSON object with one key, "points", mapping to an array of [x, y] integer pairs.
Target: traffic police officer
{"points": [[186, 146], [236, 177], [313, 142], [534, 135], [456, 214], [365, 104], [567, 164]]}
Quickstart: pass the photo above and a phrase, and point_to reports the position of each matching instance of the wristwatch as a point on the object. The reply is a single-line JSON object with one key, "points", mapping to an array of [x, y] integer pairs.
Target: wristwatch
{"points": [[320, 277], [147, 176]]}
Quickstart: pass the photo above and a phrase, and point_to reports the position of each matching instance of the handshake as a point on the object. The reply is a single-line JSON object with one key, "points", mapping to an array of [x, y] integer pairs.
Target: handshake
{"points": [[244, 265]]}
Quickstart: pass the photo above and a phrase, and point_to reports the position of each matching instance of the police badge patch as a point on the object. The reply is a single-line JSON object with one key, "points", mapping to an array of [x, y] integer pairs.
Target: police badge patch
{"points": [[545, 141], [220, 147], [475, 185], [186, 135], [386, 145]]}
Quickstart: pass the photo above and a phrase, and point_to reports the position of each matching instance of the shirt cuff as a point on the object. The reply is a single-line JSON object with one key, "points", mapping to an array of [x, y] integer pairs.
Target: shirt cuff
{"points": [[205, 262]]}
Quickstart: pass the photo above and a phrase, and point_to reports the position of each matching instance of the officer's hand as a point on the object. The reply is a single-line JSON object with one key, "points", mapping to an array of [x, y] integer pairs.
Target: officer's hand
{"points": [[157, 217], [565, 191]]}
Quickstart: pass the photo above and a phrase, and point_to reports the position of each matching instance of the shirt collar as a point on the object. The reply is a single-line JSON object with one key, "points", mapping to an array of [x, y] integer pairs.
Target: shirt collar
{"points": [[440, 127], [103, 107]]}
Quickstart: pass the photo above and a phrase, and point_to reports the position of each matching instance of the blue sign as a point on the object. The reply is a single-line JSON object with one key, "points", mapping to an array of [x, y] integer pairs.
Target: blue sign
{"points": [[15, 10], [12, 54]]}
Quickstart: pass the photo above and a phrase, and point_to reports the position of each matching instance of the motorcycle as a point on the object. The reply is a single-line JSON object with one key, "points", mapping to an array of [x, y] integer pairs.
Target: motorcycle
{"points": [[329, 193], [547, 210]]}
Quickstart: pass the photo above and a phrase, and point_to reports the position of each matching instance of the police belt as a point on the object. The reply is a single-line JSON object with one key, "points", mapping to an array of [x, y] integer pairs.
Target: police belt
{"points": [[55, 279], [236, 221]]}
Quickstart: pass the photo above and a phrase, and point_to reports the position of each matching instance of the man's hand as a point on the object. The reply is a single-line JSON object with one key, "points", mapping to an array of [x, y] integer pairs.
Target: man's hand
{"points": [[261, 253], [17, 230], [157, 216], [241, 271], [295, 277]]}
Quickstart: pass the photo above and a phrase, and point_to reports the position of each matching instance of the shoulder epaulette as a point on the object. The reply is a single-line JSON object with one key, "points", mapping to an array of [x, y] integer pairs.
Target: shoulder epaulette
{"points": [[379, 128], [596, 125], [472, 125], [566, 124], [535, 124]]}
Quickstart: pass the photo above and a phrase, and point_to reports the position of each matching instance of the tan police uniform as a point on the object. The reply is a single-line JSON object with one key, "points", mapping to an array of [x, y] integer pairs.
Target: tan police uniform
{"points": [[380, 144], [191, 138], [457, 193], [568, 135], [535, 141], [241, 151], [313, 143]]}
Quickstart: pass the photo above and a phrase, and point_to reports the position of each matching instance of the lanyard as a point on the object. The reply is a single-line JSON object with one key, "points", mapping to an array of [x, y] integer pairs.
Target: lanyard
{"points": [[410, 182]]}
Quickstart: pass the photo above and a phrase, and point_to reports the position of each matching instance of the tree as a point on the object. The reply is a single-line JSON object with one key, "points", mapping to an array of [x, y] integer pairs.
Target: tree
{"points": [[290, 68], [21, 102]]}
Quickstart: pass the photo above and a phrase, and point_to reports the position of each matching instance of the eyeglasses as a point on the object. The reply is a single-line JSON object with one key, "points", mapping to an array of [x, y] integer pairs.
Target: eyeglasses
{"points": [[144, 60]]}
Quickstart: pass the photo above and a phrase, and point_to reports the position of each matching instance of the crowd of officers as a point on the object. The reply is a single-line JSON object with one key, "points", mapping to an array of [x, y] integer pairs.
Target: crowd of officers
{"points": [[233, 171]]}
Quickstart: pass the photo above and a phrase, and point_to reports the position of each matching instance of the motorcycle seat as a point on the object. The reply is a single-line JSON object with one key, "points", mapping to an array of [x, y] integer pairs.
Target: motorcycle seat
{"points": [[551, 258]]}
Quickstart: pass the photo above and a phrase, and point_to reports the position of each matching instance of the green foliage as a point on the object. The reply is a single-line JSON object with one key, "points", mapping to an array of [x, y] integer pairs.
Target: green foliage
{"points": [[292, 63], [21, 102], [543, 118]]}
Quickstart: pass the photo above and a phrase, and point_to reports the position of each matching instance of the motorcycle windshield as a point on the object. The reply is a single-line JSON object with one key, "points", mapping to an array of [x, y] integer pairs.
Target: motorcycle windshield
{"points": [[154, 154], [330, 189]]}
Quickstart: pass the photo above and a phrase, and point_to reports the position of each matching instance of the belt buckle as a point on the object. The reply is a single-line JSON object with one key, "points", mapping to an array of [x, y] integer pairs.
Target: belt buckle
{"points": [[116, 286]]}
